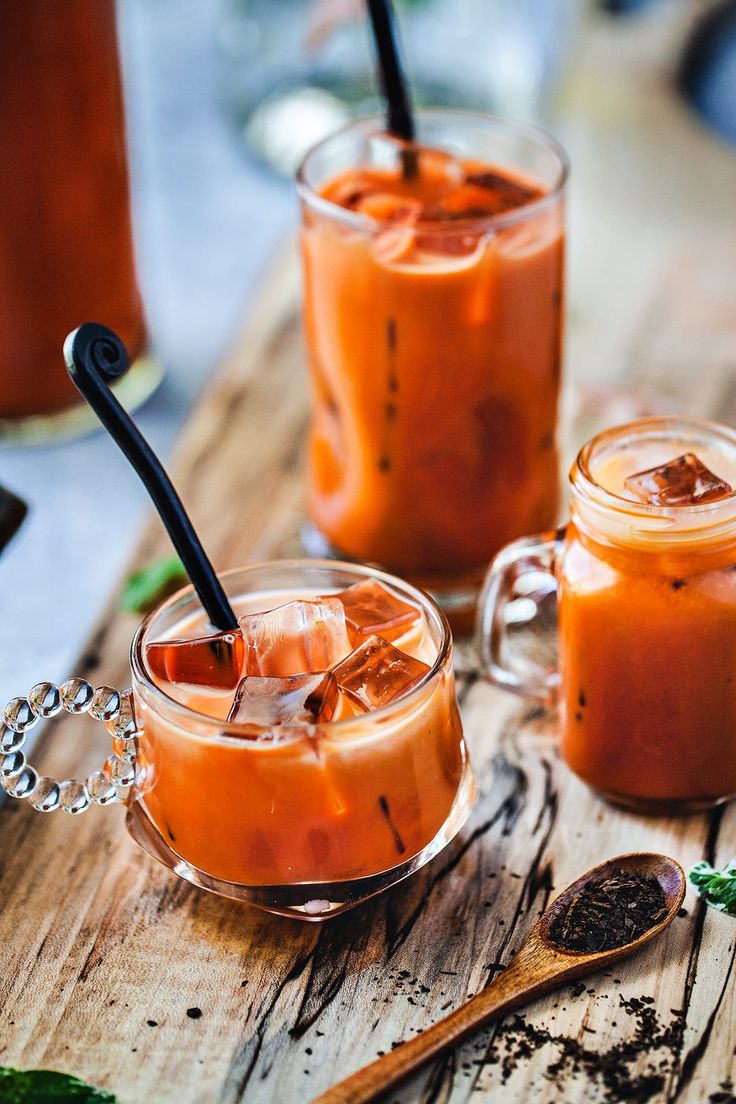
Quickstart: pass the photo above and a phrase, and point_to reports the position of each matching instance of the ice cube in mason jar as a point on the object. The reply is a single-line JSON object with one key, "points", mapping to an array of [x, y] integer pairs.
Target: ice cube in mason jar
{"points": [[684, 481]]}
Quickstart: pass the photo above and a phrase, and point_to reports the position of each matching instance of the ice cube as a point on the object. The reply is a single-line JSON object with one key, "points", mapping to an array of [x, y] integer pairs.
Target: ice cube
{"points": [[214, 661], [298, 699], [385, 207], [440, 172], [377, 672], [446, 244], [382, 151], [684, 481], [297, 637], [398, 214], [372, 609], [395, 245], [495, 192], [350, 191], [402, 163]]}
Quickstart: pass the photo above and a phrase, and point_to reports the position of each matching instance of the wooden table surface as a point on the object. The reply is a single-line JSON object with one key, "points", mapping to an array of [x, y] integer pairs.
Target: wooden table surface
{"points": [[104, 951]]}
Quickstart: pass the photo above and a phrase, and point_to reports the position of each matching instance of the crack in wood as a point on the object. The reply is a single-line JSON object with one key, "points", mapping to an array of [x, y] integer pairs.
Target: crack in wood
{"points": [[465, 684], [237, 1078], [92, 656], [714, 824], [508, 812], [344, 938], [697, 1051], [440, 1083], [550, 794], [538, 879], [687, 1068]]}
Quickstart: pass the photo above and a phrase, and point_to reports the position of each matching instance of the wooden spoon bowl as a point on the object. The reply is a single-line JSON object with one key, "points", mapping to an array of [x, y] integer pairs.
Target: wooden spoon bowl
{"points": [[671, 878], [539, 966]]}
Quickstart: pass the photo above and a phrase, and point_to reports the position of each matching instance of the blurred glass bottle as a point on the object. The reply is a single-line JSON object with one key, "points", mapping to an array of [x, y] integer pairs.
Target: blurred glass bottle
{"points": [[296, 69], [66, 246]]}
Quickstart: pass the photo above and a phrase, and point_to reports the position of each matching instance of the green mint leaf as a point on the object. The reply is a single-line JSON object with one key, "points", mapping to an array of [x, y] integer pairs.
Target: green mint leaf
{"points": [[47, 1087], [146, 588], [716, 887]]}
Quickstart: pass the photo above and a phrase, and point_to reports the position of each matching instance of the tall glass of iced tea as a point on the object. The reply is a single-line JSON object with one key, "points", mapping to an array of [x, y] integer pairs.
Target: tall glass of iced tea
{"points": [[433, 305], [309, 760]]}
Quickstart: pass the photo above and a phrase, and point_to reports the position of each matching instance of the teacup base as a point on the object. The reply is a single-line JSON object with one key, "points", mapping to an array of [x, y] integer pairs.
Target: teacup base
{"points": [[310, 901]]}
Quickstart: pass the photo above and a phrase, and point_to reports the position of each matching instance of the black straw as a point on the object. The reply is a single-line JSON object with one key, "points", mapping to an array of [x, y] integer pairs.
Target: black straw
{"points": [[399, 115], [94, 357]]}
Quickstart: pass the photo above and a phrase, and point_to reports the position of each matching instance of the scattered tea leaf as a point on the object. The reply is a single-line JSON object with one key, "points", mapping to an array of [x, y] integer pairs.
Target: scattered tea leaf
{"points": [[146, 588], [47, 1087], [716, 887]]}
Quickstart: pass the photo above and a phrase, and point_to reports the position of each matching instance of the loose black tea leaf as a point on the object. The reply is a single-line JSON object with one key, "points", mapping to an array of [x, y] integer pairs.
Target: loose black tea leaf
{"points": [[610, 912], [386, 811], [634, 1068]]}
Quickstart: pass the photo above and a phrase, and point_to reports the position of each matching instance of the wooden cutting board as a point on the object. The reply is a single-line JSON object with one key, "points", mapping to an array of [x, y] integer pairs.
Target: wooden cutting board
{"points": [[105, 952]]}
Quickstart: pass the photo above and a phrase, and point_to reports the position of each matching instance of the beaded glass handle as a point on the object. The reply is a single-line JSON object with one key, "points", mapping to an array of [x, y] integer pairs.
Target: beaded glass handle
{"points": [[103, 787]]}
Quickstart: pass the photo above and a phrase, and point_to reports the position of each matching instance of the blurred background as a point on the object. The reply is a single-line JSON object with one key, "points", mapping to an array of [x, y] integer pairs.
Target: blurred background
{"points": [[222, 99]]}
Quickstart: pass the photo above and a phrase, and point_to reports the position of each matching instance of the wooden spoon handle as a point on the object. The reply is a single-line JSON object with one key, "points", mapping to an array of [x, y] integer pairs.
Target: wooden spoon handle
{"points": [[511, 989]]}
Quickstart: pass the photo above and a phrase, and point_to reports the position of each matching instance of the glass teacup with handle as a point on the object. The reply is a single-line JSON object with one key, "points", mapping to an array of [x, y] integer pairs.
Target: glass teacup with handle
{"points": [[291, 737]]}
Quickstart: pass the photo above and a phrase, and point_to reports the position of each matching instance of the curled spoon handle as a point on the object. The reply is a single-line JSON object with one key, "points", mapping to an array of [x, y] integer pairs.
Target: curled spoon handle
{"points": [[95, 356]]}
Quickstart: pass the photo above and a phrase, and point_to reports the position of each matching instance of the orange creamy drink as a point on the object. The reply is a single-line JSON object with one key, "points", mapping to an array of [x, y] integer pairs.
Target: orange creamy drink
{"points": [[433, 309], [647, 612], [319, 744]]}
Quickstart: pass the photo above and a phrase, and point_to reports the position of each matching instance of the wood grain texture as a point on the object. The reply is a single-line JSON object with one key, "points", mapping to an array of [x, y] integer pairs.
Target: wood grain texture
{"points": [[539, 967], [103, 951]]}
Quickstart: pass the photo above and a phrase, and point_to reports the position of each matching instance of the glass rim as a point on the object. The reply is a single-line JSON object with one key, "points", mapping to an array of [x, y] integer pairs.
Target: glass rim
{"points": [[536, 134], [247, 733], [585, 485]]}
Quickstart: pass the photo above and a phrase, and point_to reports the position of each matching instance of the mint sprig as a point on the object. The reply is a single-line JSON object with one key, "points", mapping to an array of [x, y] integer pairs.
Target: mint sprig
{"points": [[48, 1087], [717, 887], [144, 589]]}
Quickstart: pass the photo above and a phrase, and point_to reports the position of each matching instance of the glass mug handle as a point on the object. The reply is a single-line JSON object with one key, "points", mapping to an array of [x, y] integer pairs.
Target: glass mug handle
{"points": [[103, 787], [522, 571]]}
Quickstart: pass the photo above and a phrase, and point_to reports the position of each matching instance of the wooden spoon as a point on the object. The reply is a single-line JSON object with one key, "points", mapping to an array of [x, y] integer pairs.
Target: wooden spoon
{"points": [[538, 967]]}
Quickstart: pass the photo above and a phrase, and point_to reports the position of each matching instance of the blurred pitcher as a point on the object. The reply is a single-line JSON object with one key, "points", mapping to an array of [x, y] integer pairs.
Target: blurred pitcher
{"points": [[66, 247]]}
